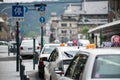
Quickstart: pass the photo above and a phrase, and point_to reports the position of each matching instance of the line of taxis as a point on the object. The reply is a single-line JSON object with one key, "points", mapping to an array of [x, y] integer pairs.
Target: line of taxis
{"points": [[86, 63]]}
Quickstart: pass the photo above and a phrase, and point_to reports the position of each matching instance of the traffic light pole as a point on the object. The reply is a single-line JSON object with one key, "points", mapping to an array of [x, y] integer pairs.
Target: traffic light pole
{"points": [[17, 41]]}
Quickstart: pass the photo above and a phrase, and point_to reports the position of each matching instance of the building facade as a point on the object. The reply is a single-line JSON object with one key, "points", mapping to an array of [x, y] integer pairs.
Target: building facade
{"points": [[78, 15], [4, 28]]}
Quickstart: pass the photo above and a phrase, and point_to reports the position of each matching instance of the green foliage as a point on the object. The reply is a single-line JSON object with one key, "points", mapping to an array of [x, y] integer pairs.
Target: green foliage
{"points": [[85, 30]]}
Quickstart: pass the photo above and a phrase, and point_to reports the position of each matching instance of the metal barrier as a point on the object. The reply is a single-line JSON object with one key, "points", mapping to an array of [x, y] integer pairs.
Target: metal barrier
{"points": [[23, 75]]}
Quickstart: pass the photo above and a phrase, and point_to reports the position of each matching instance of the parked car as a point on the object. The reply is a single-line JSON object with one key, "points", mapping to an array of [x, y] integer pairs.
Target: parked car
{"points": [[59, 59], [12, 46], [94, 64], [4, 46], [26, 47], [44, 55]]}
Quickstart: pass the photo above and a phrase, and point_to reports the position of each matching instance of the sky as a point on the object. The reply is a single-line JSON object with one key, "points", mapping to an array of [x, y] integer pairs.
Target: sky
{"points": [[12, 1]]}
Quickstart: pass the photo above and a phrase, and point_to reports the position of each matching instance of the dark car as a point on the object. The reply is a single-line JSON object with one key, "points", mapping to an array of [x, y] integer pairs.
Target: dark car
{"points": [[12, 47]]}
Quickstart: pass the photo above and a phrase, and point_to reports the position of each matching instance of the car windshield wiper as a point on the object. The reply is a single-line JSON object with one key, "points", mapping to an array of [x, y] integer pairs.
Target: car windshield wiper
{"points": [[69, 55]]}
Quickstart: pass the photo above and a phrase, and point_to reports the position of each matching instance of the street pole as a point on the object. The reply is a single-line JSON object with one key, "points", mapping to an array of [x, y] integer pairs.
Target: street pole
{"points": [[41, 37], [17, 41], [41, 9]]}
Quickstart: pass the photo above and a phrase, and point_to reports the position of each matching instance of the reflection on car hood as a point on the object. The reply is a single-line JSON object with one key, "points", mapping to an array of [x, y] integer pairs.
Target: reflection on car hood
{"points": [[45, 55]]}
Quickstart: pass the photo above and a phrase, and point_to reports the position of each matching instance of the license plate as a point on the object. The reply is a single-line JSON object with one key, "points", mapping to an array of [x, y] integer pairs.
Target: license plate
{"points": [[29, 48]]}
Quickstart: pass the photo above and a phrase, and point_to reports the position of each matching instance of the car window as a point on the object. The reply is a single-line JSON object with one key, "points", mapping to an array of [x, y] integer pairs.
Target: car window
{"points": [[29, 42], [80, 67], [75, 70], [69, 54], [47, 50], [71, 68], [106, 66], [54, 55]]}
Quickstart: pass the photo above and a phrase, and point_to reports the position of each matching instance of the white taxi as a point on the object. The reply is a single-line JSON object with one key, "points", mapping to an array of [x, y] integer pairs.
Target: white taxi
{"points": [[44, 55], [94, 64], [59, 59]]}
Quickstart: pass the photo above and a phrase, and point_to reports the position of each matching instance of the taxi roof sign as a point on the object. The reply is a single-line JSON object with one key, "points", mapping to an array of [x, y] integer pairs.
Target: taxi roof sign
{"points": [[62, 44], [90, 46]]}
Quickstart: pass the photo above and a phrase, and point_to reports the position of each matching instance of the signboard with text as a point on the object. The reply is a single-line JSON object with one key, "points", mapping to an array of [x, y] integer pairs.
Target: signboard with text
{"points": [[18, 12]]}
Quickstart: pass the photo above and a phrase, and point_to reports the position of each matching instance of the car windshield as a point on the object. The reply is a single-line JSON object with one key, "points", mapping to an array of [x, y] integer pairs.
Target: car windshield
{"points": [[69, 54], [48, 50], [107, 66], [29, 42]]}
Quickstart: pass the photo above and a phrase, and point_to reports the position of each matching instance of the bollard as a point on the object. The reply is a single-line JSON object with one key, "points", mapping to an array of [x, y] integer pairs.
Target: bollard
{"points": [[20, 64], [22, 72]]}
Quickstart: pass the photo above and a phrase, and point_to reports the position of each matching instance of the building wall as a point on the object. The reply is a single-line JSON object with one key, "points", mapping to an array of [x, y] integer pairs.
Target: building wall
{"points": [[5, 29], [114, 10]]}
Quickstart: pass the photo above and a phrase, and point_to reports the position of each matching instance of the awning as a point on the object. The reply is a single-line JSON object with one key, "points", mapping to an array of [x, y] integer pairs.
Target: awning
{"points": [[105, 27]]}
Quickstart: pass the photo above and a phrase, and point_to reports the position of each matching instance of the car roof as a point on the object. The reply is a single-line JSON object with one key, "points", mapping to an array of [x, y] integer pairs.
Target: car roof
{"points": [[67, 48], [101, 51], [50, 44]]}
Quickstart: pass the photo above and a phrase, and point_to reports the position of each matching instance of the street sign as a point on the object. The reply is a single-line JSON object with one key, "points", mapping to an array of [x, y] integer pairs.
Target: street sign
{"points": [[18, 12], [115, 39], [42, 19]]}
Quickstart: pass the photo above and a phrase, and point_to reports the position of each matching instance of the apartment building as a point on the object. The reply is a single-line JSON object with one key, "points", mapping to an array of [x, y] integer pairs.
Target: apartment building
{"points": [[89, 13]]}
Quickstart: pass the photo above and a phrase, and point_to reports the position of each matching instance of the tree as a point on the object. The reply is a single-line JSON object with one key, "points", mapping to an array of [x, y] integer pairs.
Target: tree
{"points": [[85, 30]]}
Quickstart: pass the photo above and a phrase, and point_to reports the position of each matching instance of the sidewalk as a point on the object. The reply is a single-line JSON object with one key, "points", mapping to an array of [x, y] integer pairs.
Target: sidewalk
{"points": [[8, 67]]}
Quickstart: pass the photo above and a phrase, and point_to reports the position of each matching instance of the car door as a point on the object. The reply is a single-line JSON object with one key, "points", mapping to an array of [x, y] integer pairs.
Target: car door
{"points": [[49, 67], [53, 64], [76, 68]]}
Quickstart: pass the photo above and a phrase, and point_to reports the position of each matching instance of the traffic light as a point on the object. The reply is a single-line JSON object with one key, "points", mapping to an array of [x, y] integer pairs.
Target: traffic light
{"points": [[41, 6]]}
